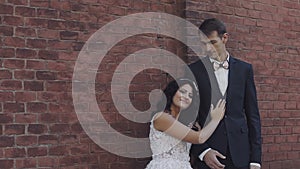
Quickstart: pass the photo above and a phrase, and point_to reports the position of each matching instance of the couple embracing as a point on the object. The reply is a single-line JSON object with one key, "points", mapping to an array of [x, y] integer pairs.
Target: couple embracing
{"points": [[227, 132]]}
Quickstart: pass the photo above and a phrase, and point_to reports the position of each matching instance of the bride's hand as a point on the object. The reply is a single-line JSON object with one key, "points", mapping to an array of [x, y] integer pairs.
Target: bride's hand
{"points": [[218, 113]]}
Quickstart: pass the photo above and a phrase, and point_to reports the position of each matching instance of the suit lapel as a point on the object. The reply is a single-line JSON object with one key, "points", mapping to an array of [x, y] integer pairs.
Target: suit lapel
{"points": [[231, 75], [212, 78]]}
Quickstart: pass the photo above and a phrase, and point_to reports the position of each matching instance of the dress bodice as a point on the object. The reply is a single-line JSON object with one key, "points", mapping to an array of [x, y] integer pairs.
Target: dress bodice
{"points": [[168, 151]]}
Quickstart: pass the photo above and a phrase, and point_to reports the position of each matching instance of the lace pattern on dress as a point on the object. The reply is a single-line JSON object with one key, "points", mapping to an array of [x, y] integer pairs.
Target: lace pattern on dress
{"points": [[168, 152]]}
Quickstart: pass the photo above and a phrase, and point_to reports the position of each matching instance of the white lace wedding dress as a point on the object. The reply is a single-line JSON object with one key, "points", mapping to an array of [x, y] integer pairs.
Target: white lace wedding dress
{"points": [[167, 151]]}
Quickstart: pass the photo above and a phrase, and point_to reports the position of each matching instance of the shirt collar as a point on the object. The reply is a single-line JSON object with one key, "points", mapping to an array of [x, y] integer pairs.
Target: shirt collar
{"points": [[213, 60]]}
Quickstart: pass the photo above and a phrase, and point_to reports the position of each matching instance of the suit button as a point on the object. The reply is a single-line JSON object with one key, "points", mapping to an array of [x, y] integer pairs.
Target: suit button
{"points": [[225, 116]]}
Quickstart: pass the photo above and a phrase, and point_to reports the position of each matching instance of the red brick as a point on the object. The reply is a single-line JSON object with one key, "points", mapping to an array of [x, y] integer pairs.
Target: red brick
{"points": [[14, 42], [241, 12], [14, 64], [296, 130], [36, 22], [57, 25], [6, 30], [26, 140], [26, 163], [60, 108], [28, 75], [6, 141], [68, 35], [254, 14], [79, 150], [290, 4], [60, 128], [5, 74], [15, 152], [6, 118], [37, 151], [39, 3], [45, 75], [68, 15], [6, 96], [58, 150], [6, 9], [266, 16], [293, 155], [7, 52], [33, 85], [50, 162], [25, 96], [78, 7], [14, 129], [36, 43], [13, 20], [49, 117], [97, 10], [286, 130], [26, 53], [36, 107], [18, 2], [62, 5], [47, 13], [6, 163], [13, 107], [60, 45], [47, 96], [48, 34], [56, 86], [37, 128], [59, 66], [48, 55], [291, 105], [77, 128], [114, 10], [69, 139], [64, 75], [77, 46], [36, 64], [25, 11], [48, 139], [25, 32], [26, 118]]}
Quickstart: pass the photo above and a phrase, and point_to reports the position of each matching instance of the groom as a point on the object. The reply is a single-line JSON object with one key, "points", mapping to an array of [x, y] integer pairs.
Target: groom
{"points": [[236, 143]]}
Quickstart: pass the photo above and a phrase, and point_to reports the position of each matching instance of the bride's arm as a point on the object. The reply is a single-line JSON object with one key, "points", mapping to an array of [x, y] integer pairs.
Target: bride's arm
{"points": [[166, 123]]}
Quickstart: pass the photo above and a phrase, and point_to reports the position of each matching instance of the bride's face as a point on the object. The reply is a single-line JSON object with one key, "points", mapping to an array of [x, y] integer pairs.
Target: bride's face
{"points": [[183, 97]]}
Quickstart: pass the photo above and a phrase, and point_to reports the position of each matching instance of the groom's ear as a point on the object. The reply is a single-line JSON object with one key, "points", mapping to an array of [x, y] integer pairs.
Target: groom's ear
{"points": [[225, 38]]}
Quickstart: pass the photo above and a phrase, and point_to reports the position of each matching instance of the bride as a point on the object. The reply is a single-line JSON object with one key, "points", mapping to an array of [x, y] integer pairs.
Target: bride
{"points": [[169, 137]]}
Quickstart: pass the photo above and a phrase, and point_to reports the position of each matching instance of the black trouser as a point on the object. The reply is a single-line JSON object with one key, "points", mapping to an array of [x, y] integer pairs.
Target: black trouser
{"points": [[228, 162], [197, 164]]}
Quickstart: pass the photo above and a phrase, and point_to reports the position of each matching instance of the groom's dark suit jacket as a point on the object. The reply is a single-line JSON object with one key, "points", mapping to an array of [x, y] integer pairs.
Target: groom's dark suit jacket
{"points": [[240, 129]]}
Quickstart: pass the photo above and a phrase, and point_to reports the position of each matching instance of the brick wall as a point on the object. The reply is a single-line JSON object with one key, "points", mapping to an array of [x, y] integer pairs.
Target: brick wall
{"points": [[41, 39], [266, 34]]}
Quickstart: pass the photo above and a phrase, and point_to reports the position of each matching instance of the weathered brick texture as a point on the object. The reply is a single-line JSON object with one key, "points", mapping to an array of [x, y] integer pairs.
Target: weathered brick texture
{"points": [[266, 34], [41, 40]]}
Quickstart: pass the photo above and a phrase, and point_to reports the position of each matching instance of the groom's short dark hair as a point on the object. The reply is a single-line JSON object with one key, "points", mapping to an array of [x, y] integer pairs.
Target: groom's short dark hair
{"points": [[212, 24]]}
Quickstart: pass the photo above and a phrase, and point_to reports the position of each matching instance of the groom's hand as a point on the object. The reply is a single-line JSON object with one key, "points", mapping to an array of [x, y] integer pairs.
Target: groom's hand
{"points": [[211, 160]]}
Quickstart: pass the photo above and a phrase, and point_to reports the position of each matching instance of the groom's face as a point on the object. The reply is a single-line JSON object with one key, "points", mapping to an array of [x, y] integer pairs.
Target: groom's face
{"points": [[215, 45]]}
